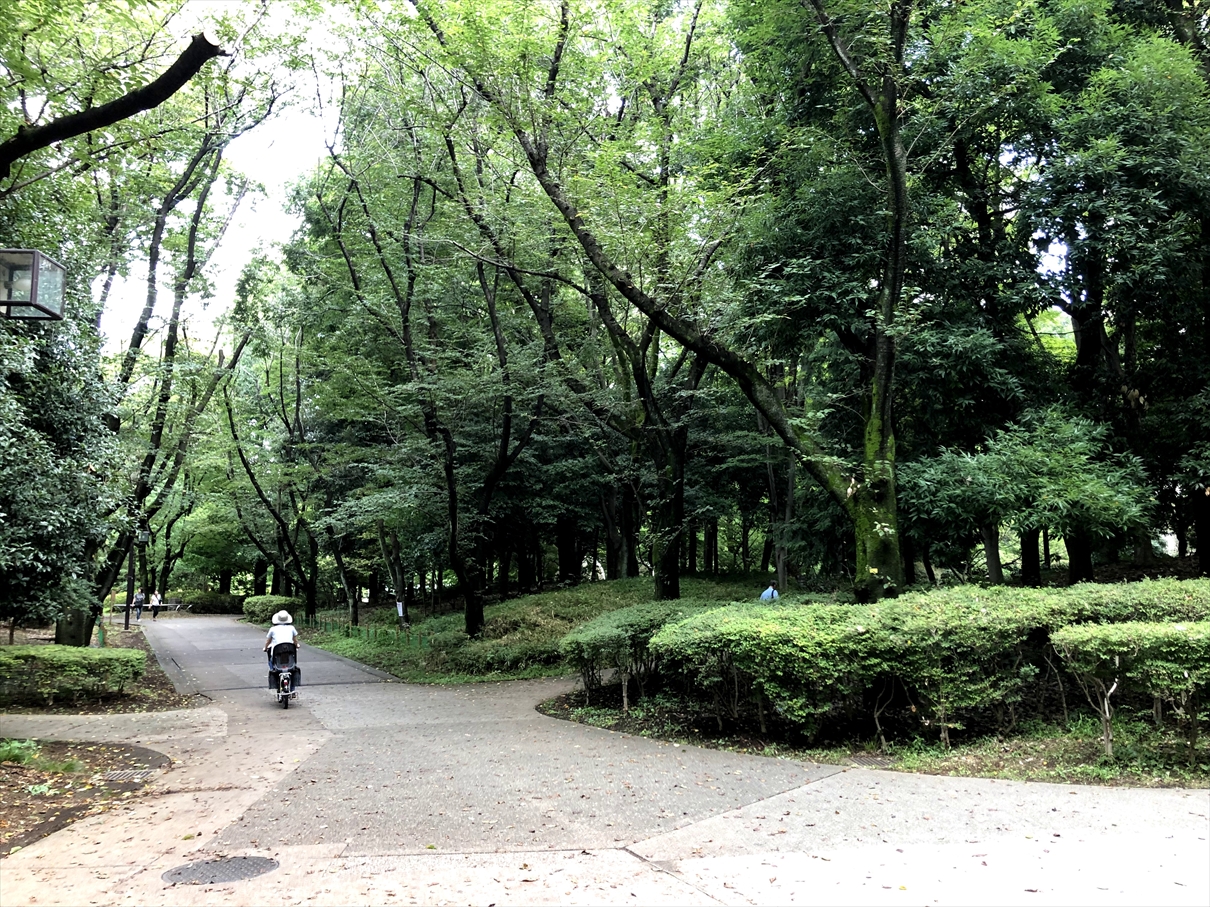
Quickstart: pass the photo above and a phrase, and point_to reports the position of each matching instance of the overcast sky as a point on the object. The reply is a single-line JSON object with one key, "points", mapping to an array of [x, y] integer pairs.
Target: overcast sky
{"points": [[274, 154]]}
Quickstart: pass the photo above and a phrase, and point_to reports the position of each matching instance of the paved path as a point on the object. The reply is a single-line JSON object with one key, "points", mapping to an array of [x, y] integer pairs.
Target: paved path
{"points": [[369, 791]]}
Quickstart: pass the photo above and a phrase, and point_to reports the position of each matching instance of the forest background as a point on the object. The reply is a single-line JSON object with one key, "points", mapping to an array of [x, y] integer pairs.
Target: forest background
{"points": [[863, 294]]}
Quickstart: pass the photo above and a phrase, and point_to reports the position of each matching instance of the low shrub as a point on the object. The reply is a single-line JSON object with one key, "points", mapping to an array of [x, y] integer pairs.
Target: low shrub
{"points": [[46, 673], [619, 640], [1170, 661], [806, 662], [951, 654], [200, 602], [259, 609]]}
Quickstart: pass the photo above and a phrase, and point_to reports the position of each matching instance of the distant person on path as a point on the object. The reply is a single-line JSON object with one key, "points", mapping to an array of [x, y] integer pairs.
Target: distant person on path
{"points": [[770, 594], [155, 605], [139, 598]]}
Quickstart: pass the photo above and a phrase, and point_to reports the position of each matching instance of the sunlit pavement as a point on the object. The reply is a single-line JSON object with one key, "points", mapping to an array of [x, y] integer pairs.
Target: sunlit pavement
{"points": [[376, 792]]}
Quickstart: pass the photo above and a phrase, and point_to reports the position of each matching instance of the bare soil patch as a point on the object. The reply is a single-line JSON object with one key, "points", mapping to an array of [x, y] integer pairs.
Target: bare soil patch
{"points": [[64, 783]]}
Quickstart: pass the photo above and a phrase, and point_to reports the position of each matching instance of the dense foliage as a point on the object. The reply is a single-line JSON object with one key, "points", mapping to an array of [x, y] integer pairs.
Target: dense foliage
{"points": [[1170, 661], [953, 656], [594, 290]]}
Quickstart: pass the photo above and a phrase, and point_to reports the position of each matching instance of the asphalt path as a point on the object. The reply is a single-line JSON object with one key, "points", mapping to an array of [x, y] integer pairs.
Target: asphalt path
{"points": [[373, 791]]}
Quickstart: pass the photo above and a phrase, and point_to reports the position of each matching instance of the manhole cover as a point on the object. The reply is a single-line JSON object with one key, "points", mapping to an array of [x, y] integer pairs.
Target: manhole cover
{"points": [[224, 869], [131, 774], [871, 760]]}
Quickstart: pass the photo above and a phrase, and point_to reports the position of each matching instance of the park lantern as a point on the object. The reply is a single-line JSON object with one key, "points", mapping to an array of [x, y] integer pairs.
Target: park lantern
{"points": [[32, 286]]}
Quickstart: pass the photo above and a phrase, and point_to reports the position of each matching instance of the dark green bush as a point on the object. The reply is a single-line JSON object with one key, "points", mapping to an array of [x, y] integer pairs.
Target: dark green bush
{"points": [[45, 673], [804, 661], [259, 609], [200, 602]]}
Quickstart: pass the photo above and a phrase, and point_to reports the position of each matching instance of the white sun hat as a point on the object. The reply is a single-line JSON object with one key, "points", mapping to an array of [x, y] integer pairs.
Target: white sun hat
{"points": [[282, 617]]}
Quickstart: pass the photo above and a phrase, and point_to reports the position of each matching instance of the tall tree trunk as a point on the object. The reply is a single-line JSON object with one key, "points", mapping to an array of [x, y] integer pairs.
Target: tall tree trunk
{"points": [[991, 552], [527, 557], [567, 541], [1031, 566], [927, 560], [612, 518], [789, 499], [668, 524], [505, 556], [1201, 526], [336, 543], [1079, 558], [631, 521], [260, 575]]}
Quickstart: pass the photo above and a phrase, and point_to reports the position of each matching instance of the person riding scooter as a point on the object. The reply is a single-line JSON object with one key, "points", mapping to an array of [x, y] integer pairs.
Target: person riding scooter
{"points": [[282, 634]]}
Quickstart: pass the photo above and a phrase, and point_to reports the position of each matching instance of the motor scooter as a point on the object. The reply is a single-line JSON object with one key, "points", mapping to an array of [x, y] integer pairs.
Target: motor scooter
{"points": [[284, 673]]}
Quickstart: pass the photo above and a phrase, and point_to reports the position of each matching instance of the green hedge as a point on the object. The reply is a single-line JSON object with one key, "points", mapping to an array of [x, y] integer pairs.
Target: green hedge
{"points": [[619, 641], [47, 673], [1170, 661], [200, 602], [953, 653], [259, 609]]}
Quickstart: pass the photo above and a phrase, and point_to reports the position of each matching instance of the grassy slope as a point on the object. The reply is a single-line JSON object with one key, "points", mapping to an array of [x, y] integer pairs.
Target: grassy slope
{"points": [[521, 635]]}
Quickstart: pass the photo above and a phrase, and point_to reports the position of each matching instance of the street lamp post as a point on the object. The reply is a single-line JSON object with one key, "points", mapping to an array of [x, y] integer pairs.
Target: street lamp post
{"points": [[32, 286], [129, 585]]}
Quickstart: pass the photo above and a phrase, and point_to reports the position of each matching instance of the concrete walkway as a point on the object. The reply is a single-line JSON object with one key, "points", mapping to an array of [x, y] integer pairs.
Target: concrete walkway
{"points": [[369, 791]]}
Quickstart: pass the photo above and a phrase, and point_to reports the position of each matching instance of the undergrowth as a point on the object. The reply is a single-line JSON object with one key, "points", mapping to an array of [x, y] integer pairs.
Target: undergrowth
{"points": [[1037, 750], [520, 637]]}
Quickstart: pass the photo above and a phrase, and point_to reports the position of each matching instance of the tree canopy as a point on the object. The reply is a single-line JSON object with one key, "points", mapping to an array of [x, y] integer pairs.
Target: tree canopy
{"points": [[612, 287]]}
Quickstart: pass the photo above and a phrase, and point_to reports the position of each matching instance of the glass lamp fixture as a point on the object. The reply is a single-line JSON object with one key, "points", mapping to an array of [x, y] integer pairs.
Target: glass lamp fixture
{"points": [[32, 286]]}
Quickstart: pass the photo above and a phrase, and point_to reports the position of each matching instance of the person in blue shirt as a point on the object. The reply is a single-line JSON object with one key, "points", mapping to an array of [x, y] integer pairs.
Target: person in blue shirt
{"points": [[770, 594]]}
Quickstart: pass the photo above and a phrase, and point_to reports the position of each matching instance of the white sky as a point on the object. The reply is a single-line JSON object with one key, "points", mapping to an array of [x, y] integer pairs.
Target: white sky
{"points": [[274, 154]]}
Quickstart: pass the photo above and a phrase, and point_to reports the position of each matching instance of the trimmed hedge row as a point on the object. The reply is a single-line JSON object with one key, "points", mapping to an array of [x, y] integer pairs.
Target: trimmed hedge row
{"points": [[259, 609], [953, 653], [619, 640], [44, 673], [1169, 661], [200, 602]]}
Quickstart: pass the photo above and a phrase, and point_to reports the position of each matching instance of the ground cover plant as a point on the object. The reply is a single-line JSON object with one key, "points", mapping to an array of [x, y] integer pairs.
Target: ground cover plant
{"points": [[46, 673]]}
